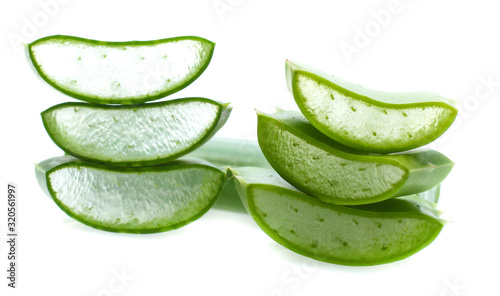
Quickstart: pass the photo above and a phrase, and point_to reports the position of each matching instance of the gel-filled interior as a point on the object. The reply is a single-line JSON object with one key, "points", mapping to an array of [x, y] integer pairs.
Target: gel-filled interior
{"points": [[323, 173], [338, 233], [130, 134], [135, 200], [365, 123], [120, 71]]}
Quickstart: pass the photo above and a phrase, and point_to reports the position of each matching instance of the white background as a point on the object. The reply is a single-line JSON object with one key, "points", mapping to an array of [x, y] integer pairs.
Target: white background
{"points": [[448, 47]]}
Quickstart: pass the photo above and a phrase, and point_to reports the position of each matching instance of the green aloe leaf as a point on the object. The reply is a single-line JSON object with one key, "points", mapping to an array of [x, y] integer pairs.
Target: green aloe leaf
{"points": [[231, 152], [119, 72], [367, 119], [133, 200], [349, 235], [134, 135], [334, 173]]}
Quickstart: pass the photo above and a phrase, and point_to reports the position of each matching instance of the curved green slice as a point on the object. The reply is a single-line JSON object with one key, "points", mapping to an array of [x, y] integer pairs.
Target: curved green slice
{"points": [[134, 135], [120, 72], [134, 200], [349, 235], [366, 119], [334, 173]]}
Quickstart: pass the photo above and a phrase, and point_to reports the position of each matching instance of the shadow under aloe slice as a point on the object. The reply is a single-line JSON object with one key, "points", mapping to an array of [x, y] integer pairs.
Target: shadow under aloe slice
{"points": [[134, 135], [337, 174], [366, 119], [133, 200], [119, 72], [350, 235]]}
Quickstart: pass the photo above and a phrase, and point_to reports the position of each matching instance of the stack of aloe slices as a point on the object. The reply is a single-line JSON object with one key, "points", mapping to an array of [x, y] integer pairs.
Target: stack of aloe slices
{"points": [[345, 187], [337, 182], [122, 170]]}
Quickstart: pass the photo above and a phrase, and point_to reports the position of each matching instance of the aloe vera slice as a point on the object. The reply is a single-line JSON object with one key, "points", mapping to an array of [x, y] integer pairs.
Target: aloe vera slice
{"points": [[134, 200], [327, 170], [134, 135], [349, 235], [119, 72], [367, 119]]}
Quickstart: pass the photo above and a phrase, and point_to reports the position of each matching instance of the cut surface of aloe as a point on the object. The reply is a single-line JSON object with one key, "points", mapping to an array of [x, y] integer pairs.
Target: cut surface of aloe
{"points": [[332, 172], [134, 200], [367, 119], [119, 72], [135, 135], [350, 235]]}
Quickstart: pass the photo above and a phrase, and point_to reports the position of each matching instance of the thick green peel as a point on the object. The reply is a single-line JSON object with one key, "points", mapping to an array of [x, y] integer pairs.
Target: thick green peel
{"points": [[365, 119], [334, 173], [134, 135], [349, 235], [134, 200], [119, 72]]}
